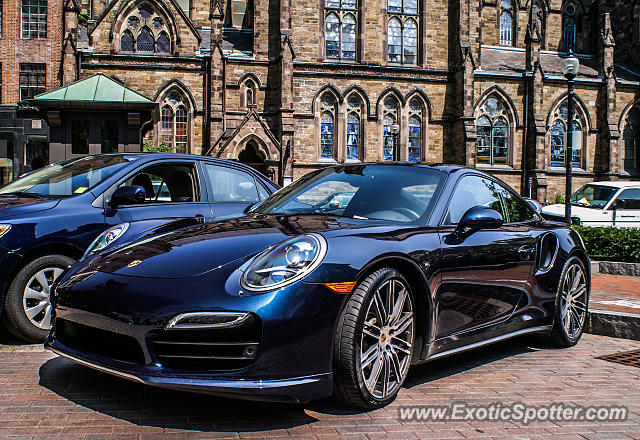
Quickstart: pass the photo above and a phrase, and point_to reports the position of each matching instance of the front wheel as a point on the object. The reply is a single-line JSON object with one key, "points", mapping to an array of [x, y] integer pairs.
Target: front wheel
{"points": [[27, 306], [571, 305], [374, 340]]}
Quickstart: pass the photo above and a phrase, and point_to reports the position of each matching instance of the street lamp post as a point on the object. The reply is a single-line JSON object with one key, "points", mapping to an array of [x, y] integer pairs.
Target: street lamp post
{"points": [[395, 129], [570, 67]]}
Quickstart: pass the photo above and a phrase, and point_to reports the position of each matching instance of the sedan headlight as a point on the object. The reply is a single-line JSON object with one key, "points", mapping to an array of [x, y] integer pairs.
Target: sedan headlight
{"points": [[4, 229], [285, 263], [106, 238]]}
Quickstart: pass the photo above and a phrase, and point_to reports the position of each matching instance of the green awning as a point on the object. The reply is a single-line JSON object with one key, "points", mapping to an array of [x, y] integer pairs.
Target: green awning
{"points": [[96, 91]]}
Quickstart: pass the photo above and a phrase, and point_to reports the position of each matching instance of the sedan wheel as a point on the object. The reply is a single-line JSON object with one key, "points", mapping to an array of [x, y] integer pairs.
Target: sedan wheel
{"points": [[572, 304], [374, 341], [27, 304]]}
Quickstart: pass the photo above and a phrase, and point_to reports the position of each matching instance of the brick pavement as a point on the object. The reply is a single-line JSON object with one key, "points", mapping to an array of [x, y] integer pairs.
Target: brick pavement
{"points": [[46, 397], [615, 293]]}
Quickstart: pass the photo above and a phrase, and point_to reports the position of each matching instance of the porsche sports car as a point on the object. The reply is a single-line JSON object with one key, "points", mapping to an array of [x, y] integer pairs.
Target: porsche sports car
{"points": [[311, 295]]}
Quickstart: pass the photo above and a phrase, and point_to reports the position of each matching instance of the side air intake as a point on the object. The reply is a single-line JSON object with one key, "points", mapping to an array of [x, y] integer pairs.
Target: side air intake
{"points": [[547, 251]]}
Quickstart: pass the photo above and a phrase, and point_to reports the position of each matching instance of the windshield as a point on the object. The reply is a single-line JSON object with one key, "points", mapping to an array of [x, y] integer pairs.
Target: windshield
{"points": [[65, 179], [382, 192], [593, 196]]}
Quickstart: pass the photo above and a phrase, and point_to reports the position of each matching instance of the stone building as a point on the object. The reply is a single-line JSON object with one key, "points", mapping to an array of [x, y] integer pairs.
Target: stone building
{"points": [[290, 86]]}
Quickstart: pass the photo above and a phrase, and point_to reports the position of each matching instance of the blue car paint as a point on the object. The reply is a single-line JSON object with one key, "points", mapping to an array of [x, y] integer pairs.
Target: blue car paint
{"points": [[198, 268], [41, 226]]}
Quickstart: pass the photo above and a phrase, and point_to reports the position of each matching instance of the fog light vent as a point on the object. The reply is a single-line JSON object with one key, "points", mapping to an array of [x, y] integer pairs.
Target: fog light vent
{"points": [[203, 320]]}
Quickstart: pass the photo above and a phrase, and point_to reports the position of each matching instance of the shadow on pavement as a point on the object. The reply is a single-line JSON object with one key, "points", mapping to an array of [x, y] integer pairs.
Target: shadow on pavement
{"points": [[149, 406]]}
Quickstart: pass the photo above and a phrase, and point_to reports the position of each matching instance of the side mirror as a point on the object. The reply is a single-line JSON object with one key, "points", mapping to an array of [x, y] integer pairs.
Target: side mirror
{"points": [[128, 195], [480, 217]]}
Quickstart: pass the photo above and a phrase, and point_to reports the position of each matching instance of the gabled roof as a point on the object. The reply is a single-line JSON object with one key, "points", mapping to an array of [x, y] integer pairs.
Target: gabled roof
{"points": [[97, 90]]}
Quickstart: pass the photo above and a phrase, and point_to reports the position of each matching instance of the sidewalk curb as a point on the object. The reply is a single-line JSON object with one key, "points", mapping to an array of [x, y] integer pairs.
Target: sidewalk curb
{"points": [[615, 268], [614, 324]]}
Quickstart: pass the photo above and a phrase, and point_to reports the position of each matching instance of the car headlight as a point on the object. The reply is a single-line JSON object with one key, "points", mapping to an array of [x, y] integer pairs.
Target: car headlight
{"points": [[106, 238], [4, 229], [285, 263]]}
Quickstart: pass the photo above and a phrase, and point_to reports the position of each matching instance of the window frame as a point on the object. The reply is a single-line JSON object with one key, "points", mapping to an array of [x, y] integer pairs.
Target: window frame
{"points": [[40, 19], [211, 199], [40, 84], [404, 17], [341, 12]]}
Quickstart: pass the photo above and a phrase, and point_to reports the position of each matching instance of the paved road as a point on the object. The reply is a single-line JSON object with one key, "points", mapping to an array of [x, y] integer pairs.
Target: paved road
{"points": [[44, 396], [614, 293]]}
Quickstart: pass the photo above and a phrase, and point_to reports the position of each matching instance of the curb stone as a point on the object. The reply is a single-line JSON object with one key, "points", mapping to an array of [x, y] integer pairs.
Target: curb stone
{"points": [[617, 325]]}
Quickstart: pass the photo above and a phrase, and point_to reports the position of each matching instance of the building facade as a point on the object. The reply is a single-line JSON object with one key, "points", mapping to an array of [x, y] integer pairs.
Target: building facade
{"points": [[291, 86]]}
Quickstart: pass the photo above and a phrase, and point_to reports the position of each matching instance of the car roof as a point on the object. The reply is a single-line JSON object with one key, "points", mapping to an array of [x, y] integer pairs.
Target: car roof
{"points": [[617, 184], [447, 168]]}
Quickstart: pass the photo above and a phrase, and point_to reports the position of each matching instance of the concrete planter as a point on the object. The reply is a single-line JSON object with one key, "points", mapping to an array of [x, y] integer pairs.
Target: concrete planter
{"points": [[616, 268]]}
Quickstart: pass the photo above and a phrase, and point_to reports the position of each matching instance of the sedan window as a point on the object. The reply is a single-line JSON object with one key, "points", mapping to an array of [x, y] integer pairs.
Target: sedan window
{"points": [[230, 185], [166, 183], [593, 196]]}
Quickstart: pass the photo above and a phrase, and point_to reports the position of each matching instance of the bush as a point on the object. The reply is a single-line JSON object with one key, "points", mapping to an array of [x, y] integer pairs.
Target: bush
{"points": [[164, 147], [614, 244]]}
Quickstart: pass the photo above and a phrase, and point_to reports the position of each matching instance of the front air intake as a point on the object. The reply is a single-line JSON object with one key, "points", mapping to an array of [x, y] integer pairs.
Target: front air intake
{"points": [[547, 251]]}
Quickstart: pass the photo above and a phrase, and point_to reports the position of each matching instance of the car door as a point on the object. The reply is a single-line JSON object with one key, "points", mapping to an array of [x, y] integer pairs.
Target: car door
{"points": [[486, 273], [173, 189], [231, 190], [627, 212]]}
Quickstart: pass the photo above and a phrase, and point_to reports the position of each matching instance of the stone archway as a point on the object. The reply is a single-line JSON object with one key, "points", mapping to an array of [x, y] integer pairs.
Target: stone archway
{"points": [[255, 155]]}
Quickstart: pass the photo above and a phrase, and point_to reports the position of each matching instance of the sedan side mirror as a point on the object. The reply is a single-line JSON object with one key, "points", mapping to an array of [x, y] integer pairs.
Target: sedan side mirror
{"points": [[128, 195], [480, 217]]}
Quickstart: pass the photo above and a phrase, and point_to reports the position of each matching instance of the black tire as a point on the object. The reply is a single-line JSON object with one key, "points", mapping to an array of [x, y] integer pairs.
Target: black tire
{"points": [[15, 317], [559, 334], [349, 380]]}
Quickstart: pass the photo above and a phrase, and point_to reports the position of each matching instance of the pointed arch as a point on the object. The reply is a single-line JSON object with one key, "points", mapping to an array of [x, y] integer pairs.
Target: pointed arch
{"points": [[160, 10], [253, 76], [363, 96], [393, 91], [580, 109], [326, 88], [263, 149], [496, 121], [419, 93], [558, 126], [181, 87], [504, 97]]}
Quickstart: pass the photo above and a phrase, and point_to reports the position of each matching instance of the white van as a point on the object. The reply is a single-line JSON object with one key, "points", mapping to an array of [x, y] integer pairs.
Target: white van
{"points": [[603, 204]]}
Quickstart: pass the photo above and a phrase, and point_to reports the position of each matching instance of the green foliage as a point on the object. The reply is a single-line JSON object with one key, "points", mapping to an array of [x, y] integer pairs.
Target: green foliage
{"points": [[559, 200], [148, 146], [83, 17], [615, 244]]}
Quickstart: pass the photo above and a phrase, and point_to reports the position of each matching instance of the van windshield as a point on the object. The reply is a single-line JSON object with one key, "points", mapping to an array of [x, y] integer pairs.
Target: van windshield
{"points": [[593, 196]]}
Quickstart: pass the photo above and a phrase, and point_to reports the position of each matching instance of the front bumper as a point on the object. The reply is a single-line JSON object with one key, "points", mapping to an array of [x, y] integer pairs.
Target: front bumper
{"points": [[294, 389], [118, 326]]}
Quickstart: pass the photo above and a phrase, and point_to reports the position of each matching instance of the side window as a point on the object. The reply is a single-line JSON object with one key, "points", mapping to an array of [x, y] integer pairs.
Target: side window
{"points": [[167, 183], [516, 209], [264, 194], [229, 185], [473, 191], [631, 198]]}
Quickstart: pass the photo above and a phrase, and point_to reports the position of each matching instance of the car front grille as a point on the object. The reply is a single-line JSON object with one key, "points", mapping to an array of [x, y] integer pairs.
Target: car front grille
{"points": [[100, 342], [224, 349]]}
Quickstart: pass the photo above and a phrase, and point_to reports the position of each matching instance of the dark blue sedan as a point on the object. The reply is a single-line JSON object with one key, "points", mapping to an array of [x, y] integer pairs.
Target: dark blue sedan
{"points": [[314, 294], [49, 217]]}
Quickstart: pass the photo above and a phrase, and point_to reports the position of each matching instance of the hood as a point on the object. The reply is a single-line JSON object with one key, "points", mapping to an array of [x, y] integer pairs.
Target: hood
{"points": [[15, 205], [576, 211], [196, 250]]}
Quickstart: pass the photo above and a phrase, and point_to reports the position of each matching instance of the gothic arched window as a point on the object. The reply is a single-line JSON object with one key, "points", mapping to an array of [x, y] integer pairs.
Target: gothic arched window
{"points": [[390, 129], [327, 126], [506, 25], [569, 18], [341, 22], [402, 32], [559, 127], [174, 122], [631, 139], [354, 133], [492, 130], [416, 135], [144, 30]]}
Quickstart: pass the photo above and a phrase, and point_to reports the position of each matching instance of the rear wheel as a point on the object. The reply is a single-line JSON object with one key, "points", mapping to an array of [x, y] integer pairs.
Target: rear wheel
{"points": [[374, 340], [27, 306], [571, 304]]}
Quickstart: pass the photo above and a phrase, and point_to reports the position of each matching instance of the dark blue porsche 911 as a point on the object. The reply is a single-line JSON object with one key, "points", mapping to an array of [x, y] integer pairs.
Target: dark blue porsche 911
{"points": [[336, 284]]}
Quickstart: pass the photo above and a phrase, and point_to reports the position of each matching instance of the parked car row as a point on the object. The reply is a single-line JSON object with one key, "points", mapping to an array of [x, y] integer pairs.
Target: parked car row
{"points": [[202, 277]]}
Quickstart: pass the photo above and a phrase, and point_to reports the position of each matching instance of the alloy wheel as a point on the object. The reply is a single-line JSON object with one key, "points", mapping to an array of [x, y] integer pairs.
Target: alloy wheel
{"points": [[387, 339], [36, 299], [573, 301]]}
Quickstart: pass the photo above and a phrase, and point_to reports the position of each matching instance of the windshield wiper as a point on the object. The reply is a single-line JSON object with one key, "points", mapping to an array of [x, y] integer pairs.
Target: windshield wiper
{"points": [[23, 194]]}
